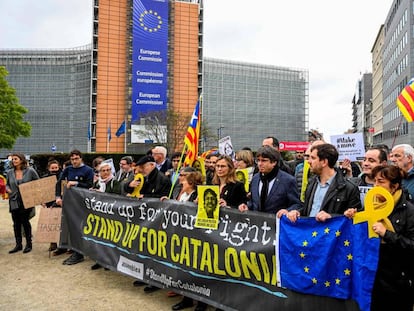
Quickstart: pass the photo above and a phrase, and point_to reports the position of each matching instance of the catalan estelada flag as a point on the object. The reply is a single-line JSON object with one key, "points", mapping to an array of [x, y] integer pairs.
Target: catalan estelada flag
{"points": [[192, 136], [405, 101]]}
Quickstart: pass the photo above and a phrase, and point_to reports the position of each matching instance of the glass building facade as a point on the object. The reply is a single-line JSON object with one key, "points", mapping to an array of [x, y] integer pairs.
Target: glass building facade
{"points": [[397, 60], [251, 101], [55, 86]]}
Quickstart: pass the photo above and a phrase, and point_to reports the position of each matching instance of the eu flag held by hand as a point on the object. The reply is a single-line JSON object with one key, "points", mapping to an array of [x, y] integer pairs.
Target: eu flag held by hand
{"points": [[333, 258]]}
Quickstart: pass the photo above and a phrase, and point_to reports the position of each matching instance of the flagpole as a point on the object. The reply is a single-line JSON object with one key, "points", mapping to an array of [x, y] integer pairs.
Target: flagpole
{"points": [[125, 138], [177, 170], [107, 136]]}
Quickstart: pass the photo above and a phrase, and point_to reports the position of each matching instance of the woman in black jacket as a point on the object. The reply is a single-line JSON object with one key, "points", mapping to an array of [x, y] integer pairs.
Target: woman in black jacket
{"points": [[393, 285], [232, 192]]}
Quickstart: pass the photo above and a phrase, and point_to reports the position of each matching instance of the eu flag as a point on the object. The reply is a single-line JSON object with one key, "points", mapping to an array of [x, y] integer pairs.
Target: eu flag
{"points": [[333, 258], [121, 129], [109, 133]]}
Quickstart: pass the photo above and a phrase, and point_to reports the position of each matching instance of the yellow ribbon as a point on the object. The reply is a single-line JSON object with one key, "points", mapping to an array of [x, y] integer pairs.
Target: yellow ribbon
{"points": [[372, 213], [135, 193]]}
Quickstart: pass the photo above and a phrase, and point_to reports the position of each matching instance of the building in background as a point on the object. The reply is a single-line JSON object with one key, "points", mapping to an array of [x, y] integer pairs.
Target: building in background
{"points": [[146, 63], [251, 101], [397, 71], [362, 107], [55, 86], [375, 116]]}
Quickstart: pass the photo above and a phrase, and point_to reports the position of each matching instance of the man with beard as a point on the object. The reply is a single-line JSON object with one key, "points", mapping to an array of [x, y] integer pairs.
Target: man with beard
{"points": [[272, 190], [329, 193]]}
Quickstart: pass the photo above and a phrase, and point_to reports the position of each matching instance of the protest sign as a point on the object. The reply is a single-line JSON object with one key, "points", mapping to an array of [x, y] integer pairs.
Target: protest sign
{"points": [[38, 191]]}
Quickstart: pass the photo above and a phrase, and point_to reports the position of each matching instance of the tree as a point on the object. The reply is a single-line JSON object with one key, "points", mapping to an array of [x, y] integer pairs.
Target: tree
{"points": [[165, 127], [12, 124]]}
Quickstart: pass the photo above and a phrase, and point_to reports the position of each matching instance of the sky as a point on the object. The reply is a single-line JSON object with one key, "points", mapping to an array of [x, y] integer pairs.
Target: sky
{"points": [[330, 39]]}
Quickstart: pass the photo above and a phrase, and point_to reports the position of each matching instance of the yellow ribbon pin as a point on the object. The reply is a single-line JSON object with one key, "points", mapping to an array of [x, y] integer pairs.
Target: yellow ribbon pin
{"points": [[138, 188], [371, 214]]}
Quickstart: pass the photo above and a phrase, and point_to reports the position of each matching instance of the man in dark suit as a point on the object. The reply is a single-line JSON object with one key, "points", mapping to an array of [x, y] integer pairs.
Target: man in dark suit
{"points": [[272, 190]]}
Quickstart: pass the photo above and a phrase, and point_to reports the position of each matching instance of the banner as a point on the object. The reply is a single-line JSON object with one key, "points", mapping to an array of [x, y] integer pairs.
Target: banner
{"points": [[149, 64], [158, 243], [293, 145]]}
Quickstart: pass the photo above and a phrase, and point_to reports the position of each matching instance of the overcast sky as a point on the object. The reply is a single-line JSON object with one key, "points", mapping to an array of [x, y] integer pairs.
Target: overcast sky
{"points": [[332, 39]]}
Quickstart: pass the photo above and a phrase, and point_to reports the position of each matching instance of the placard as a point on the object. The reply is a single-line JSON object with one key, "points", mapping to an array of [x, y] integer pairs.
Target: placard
{"points": [[48, 225], [38, 191]]}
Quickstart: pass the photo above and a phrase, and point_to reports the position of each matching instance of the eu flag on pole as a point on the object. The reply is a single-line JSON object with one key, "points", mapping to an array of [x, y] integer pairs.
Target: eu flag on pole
{"points": [[192, 136], [89, 131], [121, 129], [109, 133], [405, 101], [334, 258]]}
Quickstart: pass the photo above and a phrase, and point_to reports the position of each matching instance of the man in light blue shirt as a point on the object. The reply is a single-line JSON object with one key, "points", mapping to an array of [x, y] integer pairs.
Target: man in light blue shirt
{"points": [[330, 193]]}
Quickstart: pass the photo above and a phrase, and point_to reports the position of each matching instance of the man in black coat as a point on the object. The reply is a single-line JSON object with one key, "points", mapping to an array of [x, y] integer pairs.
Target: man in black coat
{"points": [[156, 185]]}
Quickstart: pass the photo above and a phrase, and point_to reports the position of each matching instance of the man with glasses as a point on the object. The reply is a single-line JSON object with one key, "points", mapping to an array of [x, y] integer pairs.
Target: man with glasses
{"points": [[126, 171], [76, 175], [272, 190], [273, 142]]}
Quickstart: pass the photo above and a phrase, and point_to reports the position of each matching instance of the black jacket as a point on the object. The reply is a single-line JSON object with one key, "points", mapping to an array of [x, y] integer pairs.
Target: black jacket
{"points": [[342, 194], [156, 185], [395, 272], [234, 194]]}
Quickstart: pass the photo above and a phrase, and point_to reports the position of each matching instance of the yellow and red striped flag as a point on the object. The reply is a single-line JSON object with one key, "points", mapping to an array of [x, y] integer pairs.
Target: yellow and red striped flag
{"points": [[405, 101], [192, 136]]}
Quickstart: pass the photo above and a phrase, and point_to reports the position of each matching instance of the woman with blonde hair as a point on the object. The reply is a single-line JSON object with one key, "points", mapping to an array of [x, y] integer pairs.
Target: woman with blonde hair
{"points": [[245, 160]]}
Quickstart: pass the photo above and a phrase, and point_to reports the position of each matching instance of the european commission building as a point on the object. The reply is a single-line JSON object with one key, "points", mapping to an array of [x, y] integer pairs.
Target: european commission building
{"points": [[251, 101], [55, 86]]}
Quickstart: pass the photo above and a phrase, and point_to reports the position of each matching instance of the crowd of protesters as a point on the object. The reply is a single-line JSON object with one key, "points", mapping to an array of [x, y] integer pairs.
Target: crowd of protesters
{"points": [[314, 184]]}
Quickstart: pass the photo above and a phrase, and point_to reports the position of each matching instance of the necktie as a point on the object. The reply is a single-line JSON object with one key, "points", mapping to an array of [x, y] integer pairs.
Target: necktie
{"points": [[263, 194]]}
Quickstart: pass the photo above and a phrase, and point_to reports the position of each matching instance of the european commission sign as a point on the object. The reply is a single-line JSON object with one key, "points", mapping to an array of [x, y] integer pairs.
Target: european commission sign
{"points": [[149, 64]]}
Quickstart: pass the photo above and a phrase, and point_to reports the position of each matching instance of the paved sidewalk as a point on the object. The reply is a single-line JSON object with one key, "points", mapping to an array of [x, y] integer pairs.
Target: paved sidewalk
{"points": [[34, 281]]}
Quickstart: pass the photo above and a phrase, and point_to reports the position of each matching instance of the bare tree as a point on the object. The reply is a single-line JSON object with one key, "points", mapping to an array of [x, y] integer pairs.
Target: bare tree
{"points": [[165, 127]]}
